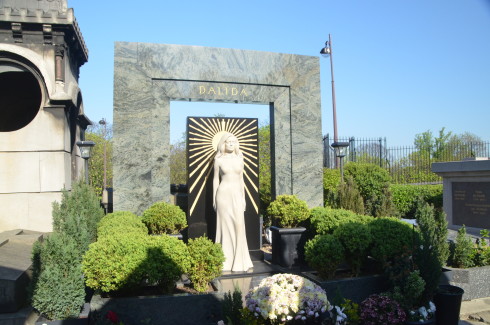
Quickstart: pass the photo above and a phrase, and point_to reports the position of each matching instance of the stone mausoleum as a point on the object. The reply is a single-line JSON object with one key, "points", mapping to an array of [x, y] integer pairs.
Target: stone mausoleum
{"points": [[41, 109]]}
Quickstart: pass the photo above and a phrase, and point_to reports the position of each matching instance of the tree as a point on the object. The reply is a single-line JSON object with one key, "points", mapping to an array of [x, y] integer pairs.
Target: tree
{"points": [[265, 168], [101, 136], [178, 161]]}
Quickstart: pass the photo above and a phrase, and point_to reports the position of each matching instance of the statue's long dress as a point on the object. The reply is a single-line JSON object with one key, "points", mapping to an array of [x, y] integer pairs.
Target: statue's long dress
{"points": [[230, 220]]}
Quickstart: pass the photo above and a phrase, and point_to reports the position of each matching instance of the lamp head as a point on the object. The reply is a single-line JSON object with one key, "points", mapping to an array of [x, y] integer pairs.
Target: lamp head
{"points": [[326, 51], [340, 148], [85, 148]]}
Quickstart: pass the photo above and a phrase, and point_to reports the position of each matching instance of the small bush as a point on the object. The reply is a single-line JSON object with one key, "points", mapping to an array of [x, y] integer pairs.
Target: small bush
{"points": [[405, 197], [331, 181], [123, 261], [167, 259], [373, 183], [78, 214], [288, 211], [355, 238], [349, 197], [326, 220], [121, 222], [390, 237], [324, 253], [57, 291], [462, 250], [164, 218], [206, 262], [115, 262], [60, 292]]}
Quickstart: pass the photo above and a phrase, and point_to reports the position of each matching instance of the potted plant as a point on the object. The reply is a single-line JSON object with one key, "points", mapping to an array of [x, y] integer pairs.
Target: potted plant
{"points": [[288, 238], [164, 218]]}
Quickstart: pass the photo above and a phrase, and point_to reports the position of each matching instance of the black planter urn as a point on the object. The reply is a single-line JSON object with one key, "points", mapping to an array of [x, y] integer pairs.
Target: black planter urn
{"points": [[448, 304], [288, 246]]}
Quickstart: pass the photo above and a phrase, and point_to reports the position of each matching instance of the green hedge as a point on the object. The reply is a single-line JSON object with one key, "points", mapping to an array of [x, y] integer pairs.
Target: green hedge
{"points": [[326, 220], [356, 238], [405, 197]]}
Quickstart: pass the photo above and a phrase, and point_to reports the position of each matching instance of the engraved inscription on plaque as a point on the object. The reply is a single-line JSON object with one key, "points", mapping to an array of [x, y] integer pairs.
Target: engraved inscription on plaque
{"points": [[471, 204]]}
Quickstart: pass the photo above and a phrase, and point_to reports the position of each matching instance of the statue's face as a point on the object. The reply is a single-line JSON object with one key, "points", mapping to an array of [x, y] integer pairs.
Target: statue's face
{"points": [[230, 144]]}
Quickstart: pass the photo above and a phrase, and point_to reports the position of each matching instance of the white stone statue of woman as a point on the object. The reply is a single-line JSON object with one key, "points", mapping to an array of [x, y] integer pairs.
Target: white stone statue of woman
{"points": [[229, 204]]}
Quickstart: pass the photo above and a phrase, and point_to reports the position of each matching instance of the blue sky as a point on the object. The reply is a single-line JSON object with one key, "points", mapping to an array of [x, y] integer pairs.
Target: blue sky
{"points": [[401, 67]]}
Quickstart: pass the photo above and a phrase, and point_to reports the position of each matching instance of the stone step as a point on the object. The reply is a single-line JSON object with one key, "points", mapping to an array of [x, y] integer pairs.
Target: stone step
{"points": [[15, 265]]}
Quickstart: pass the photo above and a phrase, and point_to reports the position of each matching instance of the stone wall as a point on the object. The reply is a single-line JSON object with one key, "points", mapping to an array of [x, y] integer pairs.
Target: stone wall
{"points": [[149, 76]]}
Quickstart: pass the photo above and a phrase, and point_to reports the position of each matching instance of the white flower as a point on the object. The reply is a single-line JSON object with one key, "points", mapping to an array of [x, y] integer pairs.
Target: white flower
{"points": [[289, 317], [219, 323], [432, 307]]}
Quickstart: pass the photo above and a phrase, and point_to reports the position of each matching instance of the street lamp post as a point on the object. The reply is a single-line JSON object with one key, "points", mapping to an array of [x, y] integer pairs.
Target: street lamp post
{"points": [[327, 51], [105, 194], [85, 148]]}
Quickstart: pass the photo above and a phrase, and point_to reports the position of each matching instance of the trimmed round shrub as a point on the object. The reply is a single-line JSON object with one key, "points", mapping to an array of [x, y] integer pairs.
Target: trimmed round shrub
{"points": [[390, 237], [164, 218], [168, 258], [326, 220], [122, 262], [115, 262], [288, 211], [356, 238], [324, 253], [121, 222], [206, 262]]}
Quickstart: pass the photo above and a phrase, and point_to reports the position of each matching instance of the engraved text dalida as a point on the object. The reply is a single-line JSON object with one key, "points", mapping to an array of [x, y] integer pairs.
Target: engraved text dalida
{"points": [[219, 91]]}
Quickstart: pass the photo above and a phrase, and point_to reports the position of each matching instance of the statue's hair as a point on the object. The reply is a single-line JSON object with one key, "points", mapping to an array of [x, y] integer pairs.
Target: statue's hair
{"points": [[221, 145]]}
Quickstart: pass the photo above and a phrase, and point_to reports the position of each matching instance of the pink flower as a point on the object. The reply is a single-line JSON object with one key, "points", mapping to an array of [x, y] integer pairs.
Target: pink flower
{"points": [[112, 316]]}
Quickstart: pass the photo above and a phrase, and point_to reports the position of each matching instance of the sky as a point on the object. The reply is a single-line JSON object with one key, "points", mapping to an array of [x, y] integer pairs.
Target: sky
{"points": [[401, 67]]}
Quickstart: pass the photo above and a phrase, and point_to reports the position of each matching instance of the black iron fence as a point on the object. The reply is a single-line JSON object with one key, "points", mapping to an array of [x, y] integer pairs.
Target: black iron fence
{"points": [[405, 164]]}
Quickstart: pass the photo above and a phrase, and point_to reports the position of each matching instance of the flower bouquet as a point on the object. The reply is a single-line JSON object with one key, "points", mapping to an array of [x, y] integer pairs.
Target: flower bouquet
{"points": [[287, 299], [381, 310]]}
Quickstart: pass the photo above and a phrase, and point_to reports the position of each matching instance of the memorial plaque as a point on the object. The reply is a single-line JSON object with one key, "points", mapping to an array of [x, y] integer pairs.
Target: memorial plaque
{"points": [[471, 204]]}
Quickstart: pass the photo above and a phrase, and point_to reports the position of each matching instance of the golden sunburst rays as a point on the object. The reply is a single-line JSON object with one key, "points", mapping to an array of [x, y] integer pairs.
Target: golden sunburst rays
{"points": [[204, 134]]}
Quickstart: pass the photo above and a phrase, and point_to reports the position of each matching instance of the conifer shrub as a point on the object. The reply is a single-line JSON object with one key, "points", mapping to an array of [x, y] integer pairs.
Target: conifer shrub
{"points": [[288, 211], [373, 184], [78, 214], [164, 218], [58, 291], [349, 197], [324, 253], [390, 237], [206, 262], [121, 222], [356, 238], [463, 249]]}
